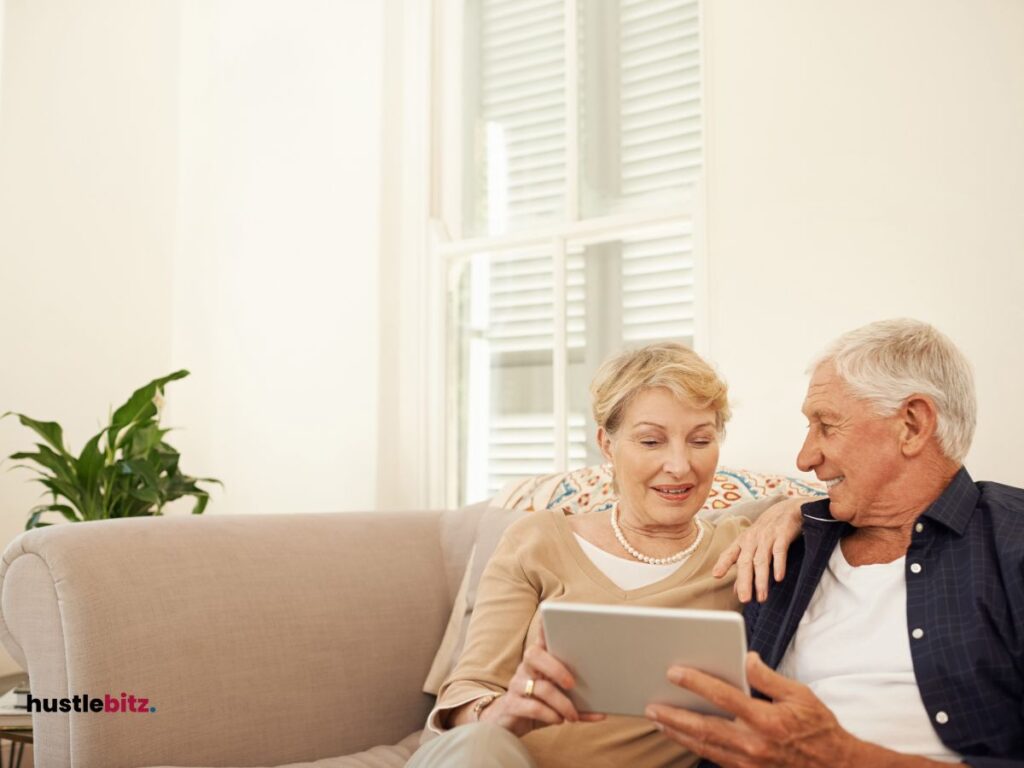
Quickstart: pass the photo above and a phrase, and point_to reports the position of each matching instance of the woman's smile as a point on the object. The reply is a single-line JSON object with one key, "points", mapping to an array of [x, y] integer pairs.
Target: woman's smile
{"points": [[674, 493]]}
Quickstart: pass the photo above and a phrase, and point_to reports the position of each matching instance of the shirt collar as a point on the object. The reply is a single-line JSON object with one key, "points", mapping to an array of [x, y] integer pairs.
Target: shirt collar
{"points": [[953, 508], [956, 504], [817, 511]]}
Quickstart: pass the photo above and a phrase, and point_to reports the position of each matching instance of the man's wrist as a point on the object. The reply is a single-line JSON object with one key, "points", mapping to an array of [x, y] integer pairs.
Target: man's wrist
{"points": [[863, 753]]}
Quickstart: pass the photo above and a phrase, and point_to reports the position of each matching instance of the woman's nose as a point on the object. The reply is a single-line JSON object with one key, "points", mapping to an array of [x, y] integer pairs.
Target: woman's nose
{"points": [[678, 461]]}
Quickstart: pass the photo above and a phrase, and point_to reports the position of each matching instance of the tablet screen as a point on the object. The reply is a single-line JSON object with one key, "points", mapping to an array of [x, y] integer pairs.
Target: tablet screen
{"points": [[620, 655]]}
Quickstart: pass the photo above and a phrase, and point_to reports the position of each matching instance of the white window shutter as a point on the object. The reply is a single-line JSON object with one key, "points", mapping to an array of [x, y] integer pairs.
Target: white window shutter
{"points": [[522, 108], [523, 446], [660, 118], [522, 314], [520, 172], [657, 289]]}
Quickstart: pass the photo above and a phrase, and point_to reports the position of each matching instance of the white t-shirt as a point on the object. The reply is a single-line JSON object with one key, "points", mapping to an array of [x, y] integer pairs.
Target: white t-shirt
{"points": [[852, 648], [626, 574]]}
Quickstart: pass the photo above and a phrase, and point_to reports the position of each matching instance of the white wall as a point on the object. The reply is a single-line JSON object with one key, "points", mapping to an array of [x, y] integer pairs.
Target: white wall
{"points": [[410, 432], [864, 161], [87, 183], [195, 185], [275, 285], [3, 8]]}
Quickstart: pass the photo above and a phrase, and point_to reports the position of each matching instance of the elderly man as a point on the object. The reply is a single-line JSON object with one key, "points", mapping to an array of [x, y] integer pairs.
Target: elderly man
{"points": [[898, 635]]}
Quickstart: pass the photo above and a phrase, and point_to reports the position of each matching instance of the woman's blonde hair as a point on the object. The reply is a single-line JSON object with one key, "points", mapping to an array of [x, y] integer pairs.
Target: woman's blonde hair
{"points": [[666, 364]]}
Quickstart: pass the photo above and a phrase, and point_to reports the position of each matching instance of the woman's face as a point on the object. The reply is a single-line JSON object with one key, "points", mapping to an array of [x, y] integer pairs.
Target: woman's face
{"points": [[664, 453]]}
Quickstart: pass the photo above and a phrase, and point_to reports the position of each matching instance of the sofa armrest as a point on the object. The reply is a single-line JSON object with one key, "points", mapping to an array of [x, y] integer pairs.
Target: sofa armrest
{"points": [[258, 639]]}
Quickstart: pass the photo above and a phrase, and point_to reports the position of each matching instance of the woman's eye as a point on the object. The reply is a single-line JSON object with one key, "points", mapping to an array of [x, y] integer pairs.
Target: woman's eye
{"points": [[648, 442]]}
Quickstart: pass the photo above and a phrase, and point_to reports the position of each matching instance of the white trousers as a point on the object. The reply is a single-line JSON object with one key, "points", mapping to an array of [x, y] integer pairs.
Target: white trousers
{"points": [[480, 745]]}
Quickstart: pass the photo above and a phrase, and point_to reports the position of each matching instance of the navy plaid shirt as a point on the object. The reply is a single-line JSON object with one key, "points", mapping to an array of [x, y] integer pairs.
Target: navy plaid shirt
{"points": [[965, 590]]}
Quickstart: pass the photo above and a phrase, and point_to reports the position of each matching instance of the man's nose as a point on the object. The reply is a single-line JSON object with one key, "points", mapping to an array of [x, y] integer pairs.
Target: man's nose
{"points": [[809, 456]]}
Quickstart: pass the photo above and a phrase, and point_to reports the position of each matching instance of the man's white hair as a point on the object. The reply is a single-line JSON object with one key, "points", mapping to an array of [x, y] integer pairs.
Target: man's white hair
{"points": [[888, 361]]}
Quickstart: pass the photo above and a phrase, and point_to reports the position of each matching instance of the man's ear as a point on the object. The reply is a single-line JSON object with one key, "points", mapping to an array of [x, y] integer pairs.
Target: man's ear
{"points": [[918, 423], [604, 443]]}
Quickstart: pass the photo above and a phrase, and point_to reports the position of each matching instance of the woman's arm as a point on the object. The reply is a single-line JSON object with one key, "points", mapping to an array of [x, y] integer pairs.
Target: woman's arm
{"points": [[505, 605], [494, 663]]}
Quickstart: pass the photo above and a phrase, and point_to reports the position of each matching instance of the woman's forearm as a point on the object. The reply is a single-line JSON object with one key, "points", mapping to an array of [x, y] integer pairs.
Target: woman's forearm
{"points": [[459, 716]]}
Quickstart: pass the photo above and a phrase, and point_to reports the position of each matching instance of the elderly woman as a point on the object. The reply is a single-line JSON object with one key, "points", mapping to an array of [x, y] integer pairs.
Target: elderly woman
{"points": [[661, 412]]}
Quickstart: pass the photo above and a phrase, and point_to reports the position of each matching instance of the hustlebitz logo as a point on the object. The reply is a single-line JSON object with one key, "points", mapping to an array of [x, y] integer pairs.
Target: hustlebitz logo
{"points": [[127, 703]]}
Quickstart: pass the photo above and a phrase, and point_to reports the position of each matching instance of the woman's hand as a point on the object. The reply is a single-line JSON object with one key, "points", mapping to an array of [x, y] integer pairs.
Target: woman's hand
{"points": [[762, 547], [536, 695]]}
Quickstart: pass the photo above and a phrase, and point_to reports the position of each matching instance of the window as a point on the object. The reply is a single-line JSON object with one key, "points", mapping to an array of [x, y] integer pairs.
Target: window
{"points": [[568, 170]]}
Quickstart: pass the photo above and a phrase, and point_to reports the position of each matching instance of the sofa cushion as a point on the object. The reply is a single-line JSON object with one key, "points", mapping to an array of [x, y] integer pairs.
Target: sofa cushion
{"points": [[490, 523], [391, 756], [580, 491]]}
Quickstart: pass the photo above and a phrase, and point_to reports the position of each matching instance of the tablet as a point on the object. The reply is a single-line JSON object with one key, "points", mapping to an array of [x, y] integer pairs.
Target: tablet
{"points": [[619, 655]]}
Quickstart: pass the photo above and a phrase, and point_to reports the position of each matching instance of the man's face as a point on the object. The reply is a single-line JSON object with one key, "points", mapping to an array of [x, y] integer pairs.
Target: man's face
{"points": [[852, 449]]}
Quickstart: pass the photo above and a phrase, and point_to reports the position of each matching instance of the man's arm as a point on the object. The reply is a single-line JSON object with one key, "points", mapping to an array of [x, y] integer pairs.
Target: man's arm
{"points": [[762, 547], [793, 729]]}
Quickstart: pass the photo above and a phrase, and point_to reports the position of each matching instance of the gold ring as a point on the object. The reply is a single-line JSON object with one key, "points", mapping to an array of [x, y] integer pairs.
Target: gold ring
{"points": [[528, 689]]}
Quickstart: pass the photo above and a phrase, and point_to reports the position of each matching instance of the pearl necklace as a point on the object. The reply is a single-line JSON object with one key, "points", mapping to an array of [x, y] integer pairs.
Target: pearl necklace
{"points": [[677, 557]]}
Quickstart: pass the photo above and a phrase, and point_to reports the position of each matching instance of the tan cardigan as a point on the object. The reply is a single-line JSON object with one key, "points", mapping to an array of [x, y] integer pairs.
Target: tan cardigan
{"points": [[539, 559]]}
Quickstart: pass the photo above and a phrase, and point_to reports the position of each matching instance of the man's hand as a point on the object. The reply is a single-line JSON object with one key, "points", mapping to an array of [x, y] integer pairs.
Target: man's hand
{"points": [[794, 729], [762, 548]]}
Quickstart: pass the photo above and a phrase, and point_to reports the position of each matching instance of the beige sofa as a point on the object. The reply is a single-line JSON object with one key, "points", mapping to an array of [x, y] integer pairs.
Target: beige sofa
{"points": [[260, 640], [265, 640]]}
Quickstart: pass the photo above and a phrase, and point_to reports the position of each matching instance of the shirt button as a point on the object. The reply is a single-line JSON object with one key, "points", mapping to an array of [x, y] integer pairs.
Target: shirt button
{"points": [[915, 567], [917, 634], [919, 527], [941, 718]]}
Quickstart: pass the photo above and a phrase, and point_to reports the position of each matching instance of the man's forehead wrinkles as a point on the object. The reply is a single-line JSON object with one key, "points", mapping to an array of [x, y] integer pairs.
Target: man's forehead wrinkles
{"points": [[815, 397]]}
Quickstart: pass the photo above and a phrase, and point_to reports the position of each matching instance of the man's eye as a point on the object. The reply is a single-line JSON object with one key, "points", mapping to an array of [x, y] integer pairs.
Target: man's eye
{"points": [[825, 428]]}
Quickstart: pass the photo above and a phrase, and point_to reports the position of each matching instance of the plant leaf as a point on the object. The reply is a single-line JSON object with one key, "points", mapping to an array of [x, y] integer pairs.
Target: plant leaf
{"points": [[142, 470], [89, 463], [140, 440], [140, 405], [50, 431], [69, 514], [148, 495], [60, 488], [33, 521], [202, 499], [61, 465], [37, 512]]}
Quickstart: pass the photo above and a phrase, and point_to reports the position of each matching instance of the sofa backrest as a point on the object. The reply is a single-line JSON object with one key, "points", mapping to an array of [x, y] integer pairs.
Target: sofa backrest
{"points": [[258, 640]]}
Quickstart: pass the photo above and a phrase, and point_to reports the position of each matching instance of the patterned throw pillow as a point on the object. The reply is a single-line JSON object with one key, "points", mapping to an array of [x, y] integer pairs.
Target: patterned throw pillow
{"points": [[590, 489]]}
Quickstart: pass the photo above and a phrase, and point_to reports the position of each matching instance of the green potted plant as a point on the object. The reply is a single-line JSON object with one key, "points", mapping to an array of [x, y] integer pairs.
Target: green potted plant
{"points": [[127, 469]]}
